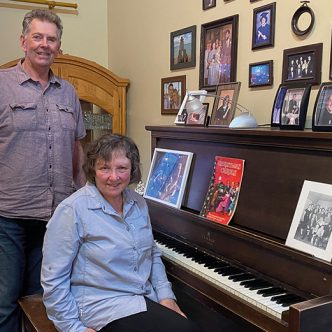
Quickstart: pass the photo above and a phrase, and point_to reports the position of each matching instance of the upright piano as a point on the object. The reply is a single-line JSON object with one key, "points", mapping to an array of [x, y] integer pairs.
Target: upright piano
{"points": [[220, 266]]}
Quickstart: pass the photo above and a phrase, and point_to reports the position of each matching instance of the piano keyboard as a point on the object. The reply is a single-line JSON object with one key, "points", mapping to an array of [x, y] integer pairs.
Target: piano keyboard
{"points": [[240, 283]]}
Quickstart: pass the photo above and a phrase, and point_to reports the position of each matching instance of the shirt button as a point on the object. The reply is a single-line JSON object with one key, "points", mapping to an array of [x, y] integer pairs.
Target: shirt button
{"points": [[49, 128], [135, 268], [50, 146]]}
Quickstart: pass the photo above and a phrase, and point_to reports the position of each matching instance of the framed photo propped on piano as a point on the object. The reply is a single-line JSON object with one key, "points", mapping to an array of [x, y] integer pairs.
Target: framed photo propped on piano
{"points": [[168, 176], [311, 227]]}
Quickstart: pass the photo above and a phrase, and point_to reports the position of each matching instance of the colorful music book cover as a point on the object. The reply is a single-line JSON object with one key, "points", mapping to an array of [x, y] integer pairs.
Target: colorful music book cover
{"points": [[224, 189]]}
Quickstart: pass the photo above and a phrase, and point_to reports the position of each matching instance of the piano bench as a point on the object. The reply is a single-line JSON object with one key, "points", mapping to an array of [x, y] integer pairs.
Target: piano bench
{"points": [[34, 314]]}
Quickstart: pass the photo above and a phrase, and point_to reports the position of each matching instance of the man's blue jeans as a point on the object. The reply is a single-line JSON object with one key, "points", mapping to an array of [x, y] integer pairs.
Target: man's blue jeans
{"points": [[21, 244]]}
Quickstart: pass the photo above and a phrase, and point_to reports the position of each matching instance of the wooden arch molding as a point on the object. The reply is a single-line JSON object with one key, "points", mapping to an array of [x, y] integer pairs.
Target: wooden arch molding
{"points": [[94, 84]]}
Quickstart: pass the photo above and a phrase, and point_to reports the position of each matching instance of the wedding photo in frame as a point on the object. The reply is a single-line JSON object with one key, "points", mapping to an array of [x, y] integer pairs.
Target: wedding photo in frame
{"points": [[294, 106], [303, 64], [207, 4], [173, 90], [183, 48], [218, 52], [322, 114], [197, 118], [277, 105], [263, 26], [168, 176], [224, 105], [311, 226], [261, 74]]}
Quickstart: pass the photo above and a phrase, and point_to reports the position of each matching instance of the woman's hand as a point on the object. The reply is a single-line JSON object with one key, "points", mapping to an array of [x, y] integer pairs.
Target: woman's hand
{"points": [[171, 304], [90, 330]]}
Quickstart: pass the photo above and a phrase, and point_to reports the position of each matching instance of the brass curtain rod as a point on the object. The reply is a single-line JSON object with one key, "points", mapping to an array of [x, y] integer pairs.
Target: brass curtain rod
{"points": [[50, 4]]}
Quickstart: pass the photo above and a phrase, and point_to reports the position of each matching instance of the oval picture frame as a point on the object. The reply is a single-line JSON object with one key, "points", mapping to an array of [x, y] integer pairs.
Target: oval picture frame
{"points": [[295, 20]]}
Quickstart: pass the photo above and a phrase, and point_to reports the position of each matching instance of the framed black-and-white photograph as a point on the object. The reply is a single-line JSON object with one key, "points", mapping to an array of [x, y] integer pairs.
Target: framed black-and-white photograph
{"points": [[322, 115], [198, 117], [183, 48], [277, 105], [303, 64], [294, 106], [311, 227], [218, 53], [263, 26], [261, 73], [224, 105], [173, 90], [207, 4], [168, 176]]}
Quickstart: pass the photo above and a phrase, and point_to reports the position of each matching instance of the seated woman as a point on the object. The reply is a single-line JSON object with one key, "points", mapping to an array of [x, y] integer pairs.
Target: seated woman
{"points": [[101, 269]]}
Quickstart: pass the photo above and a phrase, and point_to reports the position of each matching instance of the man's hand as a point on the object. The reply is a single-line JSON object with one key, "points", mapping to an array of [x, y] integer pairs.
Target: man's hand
{"points": [[171, 304]]}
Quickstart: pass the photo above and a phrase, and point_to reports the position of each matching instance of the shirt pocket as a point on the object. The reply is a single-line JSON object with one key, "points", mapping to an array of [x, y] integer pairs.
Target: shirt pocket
{"points": [[67, 118], [24, 116]]}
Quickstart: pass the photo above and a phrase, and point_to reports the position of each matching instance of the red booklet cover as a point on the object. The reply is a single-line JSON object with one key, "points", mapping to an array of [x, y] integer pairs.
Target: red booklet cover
{"points": [[224, 189]]}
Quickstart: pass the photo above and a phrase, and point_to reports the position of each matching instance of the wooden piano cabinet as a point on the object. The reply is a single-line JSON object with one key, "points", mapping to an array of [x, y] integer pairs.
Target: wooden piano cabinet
{"points": [[276, 164]]}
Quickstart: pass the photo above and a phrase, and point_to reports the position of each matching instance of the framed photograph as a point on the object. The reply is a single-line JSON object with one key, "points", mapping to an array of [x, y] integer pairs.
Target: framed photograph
{"points": [[322, 114], [330, 74], [277, 105], [311, 228], [183, 48], [198, 118], [168, 176], [173, 90], [263, 26], [294, 107], [224, 105], [207, 4], [261, 73], [303, 64], [218, 52]]}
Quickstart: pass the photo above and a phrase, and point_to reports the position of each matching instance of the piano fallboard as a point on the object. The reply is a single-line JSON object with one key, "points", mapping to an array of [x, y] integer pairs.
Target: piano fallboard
{"points": [[276, 164]]}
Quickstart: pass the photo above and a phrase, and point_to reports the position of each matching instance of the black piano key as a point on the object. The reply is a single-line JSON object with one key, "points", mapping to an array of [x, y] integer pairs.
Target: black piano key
{"points": [[229, 270], [271, 291], [295, 299], [241, 277], [249, 283], [260, 285], [282, 298]]}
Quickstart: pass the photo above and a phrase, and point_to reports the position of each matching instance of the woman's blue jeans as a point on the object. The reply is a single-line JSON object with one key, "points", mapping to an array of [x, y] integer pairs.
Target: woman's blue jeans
{"points": [[21, 242]]}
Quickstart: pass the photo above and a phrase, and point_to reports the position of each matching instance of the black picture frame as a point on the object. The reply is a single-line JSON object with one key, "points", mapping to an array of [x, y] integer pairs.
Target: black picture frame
{"points": [[322, 113], [277, 105], [171, 101], [218, 63], [330, 73], [198, 119], [294, 106], [207, 4], [303, 64], [260, 74], [183, 48], [263, 26]]}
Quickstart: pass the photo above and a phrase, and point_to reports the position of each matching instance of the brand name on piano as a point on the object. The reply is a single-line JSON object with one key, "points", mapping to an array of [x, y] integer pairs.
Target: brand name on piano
{"points": [[207, 237]]}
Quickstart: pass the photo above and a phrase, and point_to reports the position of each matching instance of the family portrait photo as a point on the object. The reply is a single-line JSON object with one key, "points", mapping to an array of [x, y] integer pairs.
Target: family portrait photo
{"points": [[312, 223]]}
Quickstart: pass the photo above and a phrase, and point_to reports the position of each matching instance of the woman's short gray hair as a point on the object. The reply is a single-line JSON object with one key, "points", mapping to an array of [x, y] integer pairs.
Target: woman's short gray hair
{"points": [[42, 15], [103, 148]]}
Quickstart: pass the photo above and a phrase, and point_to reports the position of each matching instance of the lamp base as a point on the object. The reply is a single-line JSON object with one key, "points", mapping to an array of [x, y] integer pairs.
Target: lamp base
{"points": [[244, 120]]}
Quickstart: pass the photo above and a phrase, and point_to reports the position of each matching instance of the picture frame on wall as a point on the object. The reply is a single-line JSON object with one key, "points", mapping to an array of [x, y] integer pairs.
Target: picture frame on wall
{"points": [[263, 26], [207, 4], [294, 106], [313, 238], [167, 177], [277, 105], [218, 52], [303, 64], [261, 73], [183, 48], [224, 105], [330, 74], [322, 114], [198, 118], [173, 90]]}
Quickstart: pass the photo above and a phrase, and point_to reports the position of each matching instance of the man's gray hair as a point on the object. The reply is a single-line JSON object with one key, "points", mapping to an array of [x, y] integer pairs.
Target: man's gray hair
{"points": [[42, 15]]}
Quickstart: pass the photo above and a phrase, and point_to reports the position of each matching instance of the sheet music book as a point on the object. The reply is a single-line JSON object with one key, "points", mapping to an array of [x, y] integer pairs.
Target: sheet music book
{"points": [[224, 189]]}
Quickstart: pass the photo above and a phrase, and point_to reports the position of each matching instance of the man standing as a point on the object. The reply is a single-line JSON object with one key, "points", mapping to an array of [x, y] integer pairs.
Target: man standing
{"points": [[325, 116], [40, 158]]}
